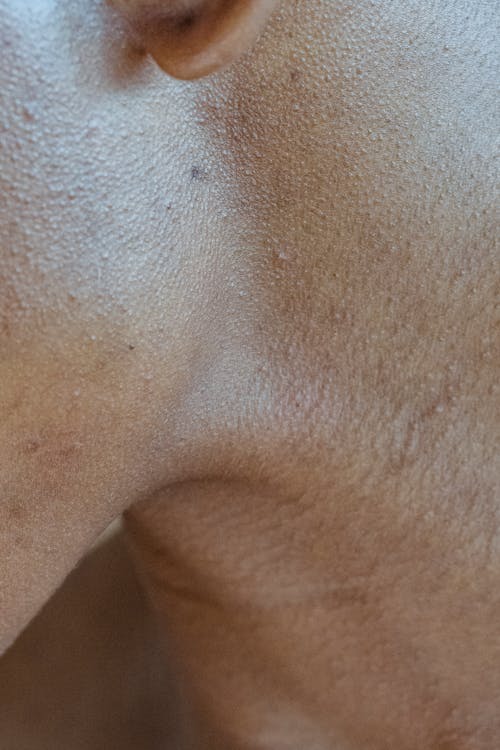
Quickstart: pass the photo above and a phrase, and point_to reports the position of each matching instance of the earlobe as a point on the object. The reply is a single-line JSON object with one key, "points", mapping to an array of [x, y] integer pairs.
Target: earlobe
{"points": [[193, 38]]}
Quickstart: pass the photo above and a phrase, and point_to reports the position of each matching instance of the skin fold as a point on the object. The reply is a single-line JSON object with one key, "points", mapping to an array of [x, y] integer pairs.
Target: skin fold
{"points": [[257, 312]]}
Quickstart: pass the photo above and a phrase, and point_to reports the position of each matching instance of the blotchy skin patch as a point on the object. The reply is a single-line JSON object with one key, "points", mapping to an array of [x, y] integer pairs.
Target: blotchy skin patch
{"points": [[258, 312]]}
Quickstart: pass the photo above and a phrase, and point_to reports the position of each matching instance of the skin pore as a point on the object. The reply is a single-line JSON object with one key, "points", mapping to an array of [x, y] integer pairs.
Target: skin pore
{"points": [[257, 312]]}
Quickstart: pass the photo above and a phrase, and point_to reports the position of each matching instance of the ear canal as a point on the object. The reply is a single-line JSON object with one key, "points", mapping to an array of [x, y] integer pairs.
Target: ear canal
{"points": [[193, 38]]}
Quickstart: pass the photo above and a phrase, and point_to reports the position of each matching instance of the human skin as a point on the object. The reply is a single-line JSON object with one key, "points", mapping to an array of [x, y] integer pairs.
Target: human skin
{"points": [[90, 671], [257, 312]]}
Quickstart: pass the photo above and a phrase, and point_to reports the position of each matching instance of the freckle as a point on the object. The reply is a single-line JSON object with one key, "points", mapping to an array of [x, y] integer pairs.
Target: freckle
{"points": [[32, 446], [28, 114], [69, 450]]}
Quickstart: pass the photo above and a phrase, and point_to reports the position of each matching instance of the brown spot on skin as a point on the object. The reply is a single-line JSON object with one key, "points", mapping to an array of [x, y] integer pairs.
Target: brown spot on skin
{"points": [[63, 444], [32, 446], [28, 115], [68, 451]]}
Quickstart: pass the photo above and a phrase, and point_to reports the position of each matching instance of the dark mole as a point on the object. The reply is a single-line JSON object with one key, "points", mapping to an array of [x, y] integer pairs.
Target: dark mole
{"points": [[131, 347], [294, 74], [198, 173]]}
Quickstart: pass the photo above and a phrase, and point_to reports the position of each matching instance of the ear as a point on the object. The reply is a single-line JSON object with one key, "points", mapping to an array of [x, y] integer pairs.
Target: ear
{"points": [[192, 38]]}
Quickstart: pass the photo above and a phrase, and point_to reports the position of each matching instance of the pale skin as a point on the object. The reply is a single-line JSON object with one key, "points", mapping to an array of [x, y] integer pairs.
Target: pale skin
{"points": [[256, 311]]}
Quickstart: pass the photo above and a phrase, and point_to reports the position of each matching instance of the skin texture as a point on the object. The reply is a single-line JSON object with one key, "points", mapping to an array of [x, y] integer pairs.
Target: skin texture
{"points": [[259, 312], [89, 672]]}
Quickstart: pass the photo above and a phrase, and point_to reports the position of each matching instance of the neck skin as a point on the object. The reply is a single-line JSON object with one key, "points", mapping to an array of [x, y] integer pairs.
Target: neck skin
{"points": [[326, 567], [304, 425]]}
